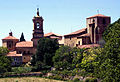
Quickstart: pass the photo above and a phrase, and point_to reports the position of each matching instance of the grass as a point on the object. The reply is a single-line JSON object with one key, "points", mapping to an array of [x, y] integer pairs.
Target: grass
{"points": [[28, 79]]}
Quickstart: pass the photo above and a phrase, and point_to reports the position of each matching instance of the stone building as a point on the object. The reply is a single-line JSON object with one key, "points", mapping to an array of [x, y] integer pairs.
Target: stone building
{"points": [[17, 58], [22, 51], [10, 42], [89, 36]]}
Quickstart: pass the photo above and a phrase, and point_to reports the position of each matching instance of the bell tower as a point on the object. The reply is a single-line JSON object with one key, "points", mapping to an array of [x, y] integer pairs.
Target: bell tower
{"points": [[96, 26], [37, 28]]}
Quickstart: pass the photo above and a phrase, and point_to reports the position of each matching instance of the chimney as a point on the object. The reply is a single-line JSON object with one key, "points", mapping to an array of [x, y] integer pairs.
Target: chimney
{"points": [[10, 34]]}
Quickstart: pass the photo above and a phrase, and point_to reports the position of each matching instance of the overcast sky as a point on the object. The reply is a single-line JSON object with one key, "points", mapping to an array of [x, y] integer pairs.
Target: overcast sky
{"points": [[60, 16]]}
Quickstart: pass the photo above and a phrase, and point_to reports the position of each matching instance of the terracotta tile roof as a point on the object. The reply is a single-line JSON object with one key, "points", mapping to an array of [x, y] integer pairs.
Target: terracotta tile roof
{"points": [[76, 32], [54, 37], [84, 35], [98, 15], [10, 37], [13, 53], [49, 34], [88, 46], [25, 44]]}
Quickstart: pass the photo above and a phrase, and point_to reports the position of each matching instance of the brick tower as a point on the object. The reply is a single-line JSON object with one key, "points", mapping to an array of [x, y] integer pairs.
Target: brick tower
{"points": [[96, 26], [37, 28]]}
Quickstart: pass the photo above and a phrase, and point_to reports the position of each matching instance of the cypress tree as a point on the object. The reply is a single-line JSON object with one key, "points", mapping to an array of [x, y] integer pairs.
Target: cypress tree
{"points": [[22, 37]]}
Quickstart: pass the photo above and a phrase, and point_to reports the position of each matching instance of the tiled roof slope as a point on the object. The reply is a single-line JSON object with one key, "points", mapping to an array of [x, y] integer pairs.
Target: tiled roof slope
{"points": [[13, 53], [76, 32], [25, 44], [49, 34], [9, 38], [84, 35], [98, 15]]}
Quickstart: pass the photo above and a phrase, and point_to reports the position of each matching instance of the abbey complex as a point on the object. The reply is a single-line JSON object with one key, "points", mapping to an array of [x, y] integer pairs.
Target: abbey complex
{"points": [[88, 37]]}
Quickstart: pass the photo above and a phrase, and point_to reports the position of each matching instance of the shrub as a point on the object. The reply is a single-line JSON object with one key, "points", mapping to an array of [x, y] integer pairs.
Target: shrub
{"points": [[76, 80], [94, 80], [21, 69], [91, 80], [87, 80]]}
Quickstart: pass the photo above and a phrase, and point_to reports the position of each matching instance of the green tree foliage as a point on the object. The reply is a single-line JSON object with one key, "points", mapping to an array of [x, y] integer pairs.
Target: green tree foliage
{"points": [[89, 56], [3, 50], [77, 55], [109, 61], [67, 58], [45, 51], [62, 58], [22, 37], [5, 63]]}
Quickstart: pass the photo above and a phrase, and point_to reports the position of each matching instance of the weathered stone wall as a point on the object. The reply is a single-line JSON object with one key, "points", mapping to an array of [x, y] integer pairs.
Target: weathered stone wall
{"points": [[26, 52]]}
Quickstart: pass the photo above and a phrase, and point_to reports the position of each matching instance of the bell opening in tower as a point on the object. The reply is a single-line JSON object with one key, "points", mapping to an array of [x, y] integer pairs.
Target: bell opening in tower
{"points": [[38, 25]]}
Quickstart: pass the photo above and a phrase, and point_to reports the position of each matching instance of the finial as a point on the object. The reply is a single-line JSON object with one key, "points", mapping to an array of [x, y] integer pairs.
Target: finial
{"points": [[37, 11]]}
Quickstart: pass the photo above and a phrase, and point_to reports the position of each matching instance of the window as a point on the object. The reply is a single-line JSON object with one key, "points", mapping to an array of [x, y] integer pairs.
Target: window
{"points": [[24, 52], [15, 59], [9, 45], [28, 52], [70, 38], [19, 52], [104, 21], [38, 24], [78, 42]]}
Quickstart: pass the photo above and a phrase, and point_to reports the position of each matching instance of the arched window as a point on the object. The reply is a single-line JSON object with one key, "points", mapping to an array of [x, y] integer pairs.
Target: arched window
{"points": [[38, 24]]}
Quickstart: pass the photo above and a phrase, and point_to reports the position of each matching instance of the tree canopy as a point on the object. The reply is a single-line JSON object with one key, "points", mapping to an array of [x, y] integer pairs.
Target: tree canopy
{"points": [[109, 60], [5, 62], [45, 51], [67, 58]]}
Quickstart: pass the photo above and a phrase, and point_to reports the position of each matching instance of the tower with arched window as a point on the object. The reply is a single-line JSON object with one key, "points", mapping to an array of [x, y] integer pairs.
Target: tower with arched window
{"points": [[37, 28]]}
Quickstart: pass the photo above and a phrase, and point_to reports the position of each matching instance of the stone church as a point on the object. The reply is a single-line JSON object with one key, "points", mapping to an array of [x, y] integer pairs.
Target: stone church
{"points": [[21, 52], [88, 37], [91, 36]]}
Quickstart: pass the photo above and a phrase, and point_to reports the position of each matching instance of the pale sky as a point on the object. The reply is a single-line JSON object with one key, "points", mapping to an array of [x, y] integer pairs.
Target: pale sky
{"points": [[60, 16]]}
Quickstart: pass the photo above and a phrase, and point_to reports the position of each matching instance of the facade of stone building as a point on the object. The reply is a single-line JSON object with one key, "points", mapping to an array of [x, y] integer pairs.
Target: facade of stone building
{"points": [[17, 58], [86, 37], [22, 51], [89, 36], [10, 42]]}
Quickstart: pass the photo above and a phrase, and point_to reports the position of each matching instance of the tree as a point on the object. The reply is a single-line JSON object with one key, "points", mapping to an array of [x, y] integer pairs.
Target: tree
{"points": [[108, 67], [5, 62], [77, 57], [3, 50], [45, 51], [89, 56], [63, 58], [22, 37]]}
